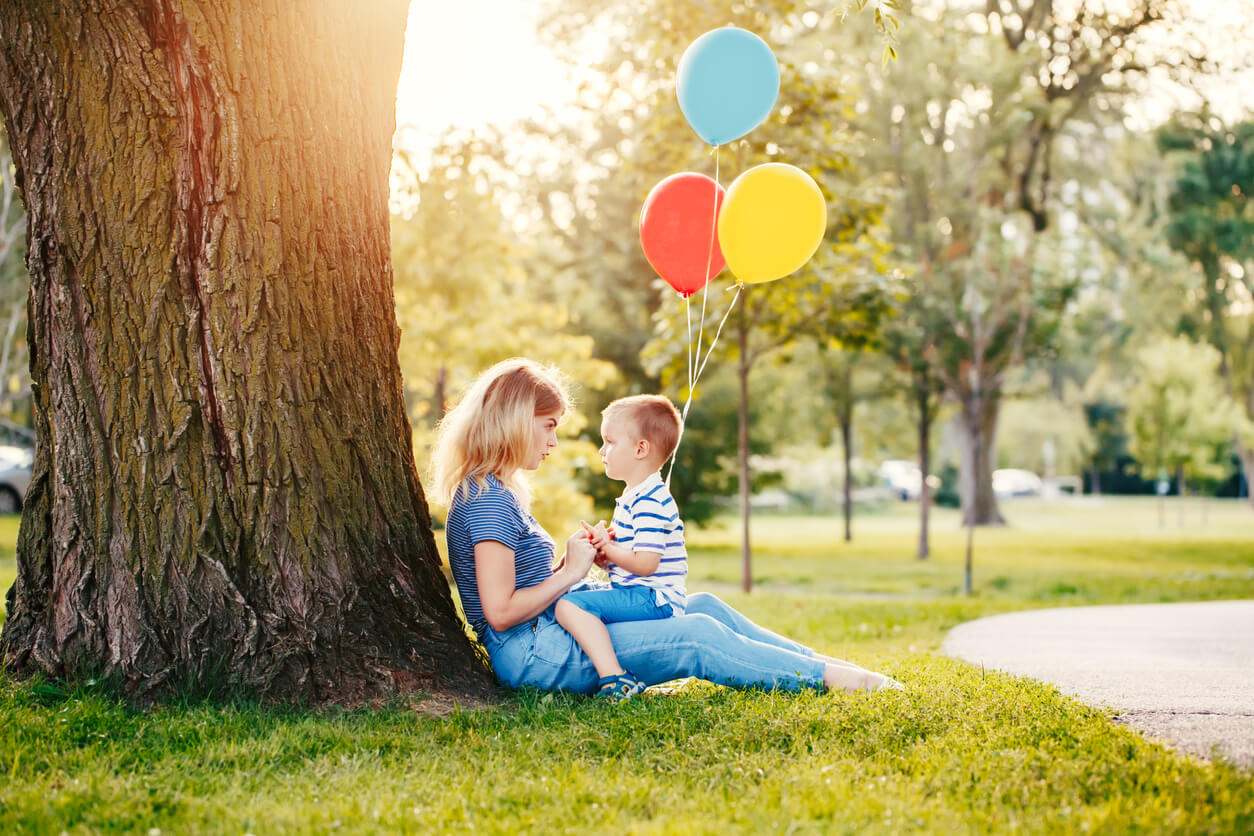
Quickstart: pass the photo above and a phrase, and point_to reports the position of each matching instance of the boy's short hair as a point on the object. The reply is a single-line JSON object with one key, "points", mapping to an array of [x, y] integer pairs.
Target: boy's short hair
{"points": [[656, 419]]}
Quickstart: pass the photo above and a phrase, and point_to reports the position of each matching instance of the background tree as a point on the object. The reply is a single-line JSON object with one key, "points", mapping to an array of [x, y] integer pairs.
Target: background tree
{"points": [[908, 340], [1132, 287], [1211, 222], [850, 379], [1079, 63], [224, 495], [1178, 413], [988, 295]]}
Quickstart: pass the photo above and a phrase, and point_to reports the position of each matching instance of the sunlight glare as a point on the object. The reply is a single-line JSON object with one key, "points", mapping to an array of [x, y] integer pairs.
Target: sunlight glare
{"points": [[472, 63]]}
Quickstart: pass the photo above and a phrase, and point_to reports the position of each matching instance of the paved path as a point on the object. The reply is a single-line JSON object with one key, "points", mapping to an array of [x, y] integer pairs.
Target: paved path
{"points": [[1182, 673]]}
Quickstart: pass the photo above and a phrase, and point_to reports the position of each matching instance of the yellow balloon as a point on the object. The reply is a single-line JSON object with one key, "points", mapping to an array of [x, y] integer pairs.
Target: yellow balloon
{"points": [[772, 221]]}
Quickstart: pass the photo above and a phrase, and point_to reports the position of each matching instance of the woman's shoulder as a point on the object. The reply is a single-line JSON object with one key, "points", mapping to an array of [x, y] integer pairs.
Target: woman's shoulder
{"points": [[489, 494]]}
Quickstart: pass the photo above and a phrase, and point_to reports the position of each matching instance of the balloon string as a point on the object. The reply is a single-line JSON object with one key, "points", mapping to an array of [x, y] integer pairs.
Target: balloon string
{"points": [[688, 316], [683, 419], [683, 416], [705, 294], [714, 341], [709, 262]]}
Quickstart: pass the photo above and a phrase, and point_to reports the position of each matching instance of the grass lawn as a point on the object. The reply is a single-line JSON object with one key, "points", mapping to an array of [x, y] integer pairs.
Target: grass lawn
{"points": [[961, 751]]}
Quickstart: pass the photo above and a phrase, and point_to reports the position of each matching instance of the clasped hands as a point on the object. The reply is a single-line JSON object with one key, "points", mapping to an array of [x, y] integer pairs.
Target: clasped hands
{"points": [[597, 536], [601, 536]]}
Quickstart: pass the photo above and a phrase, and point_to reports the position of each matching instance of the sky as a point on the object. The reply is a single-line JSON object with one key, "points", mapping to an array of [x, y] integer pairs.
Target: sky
{"points": [[471, 62]]}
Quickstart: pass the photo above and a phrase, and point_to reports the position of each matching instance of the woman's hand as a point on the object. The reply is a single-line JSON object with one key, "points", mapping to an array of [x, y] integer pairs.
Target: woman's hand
{"points": [[580, 553]]}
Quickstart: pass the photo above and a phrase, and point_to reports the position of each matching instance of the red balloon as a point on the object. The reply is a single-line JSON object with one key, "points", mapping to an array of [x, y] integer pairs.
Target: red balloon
{"points": [[677, 230]]}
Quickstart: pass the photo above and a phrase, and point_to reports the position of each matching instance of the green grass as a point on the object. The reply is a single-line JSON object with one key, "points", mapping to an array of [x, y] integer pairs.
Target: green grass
{"points": [[962, 751]]}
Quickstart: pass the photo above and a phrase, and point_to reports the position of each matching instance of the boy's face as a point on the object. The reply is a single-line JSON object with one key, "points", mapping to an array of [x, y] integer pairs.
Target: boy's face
{"points": [[621, 451]]}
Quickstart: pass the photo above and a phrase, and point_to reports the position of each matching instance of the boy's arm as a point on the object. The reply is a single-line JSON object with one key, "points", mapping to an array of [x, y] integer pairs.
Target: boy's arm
{"points": [[642, 563]]}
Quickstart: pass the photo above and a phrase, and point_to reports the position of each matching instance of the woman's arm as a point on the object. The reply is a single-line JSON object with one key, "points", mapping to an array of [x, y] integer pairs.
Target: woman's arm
{"points": [[503, 605]]}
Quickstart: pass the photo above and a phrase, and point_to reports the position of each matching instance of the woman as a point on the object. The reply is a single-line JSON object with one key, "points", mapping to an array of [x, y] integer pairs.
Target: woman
{"points": [[503, 565]]}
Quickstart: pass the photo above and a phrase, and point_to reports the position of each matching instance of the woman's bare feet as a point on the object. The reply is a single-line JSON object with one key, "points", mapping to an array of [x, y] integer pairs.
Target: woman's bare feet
{"points": [[850, 678]]}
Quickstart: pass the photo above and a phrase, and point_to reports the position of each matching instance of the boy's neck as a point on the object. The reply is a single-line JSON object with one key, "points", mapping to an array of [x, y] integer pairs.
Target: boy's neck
{"points": [[640, 474]]}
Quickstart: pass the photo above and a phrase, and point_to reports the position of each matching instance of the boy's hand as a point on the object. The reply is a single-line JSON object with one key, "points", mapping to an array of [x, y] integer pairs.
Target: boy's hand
{"points": [[597, 534]]}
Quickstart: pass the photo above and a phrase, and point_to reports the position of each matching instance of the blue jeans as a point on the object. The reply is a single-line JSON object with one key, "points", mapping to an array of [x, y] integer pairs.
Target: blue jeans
{"points": [[712, 641], [619, 603]]}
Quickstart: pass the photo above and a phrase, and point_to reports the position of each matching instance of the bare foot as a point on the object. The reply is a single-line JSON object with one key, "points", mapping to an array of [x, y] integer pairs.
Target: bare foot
{"points": [[851, 679]]}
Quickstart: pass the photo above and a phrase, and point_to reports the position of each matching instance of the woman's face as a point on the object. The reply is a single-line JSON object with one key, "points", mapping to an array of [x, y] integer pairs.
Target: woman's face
{"points": [[543, 438]]}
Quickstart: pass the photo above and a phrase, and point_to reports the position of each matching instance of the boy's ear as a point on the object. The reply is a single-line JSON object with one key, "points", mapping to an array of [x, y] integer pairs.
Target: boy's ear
{"points": [[643, 448]]}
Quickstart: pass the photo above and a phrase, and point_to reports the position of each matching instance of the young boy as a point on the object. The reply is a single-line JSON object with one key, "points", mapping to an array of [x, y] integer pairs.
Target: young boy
{"points": [[644, 547]]}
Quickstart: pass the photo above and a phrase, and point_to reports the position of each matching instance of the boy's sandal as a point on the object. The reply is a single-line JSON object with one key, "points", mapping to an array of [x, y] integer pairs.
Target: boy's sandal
{"points": [[619, 688]]}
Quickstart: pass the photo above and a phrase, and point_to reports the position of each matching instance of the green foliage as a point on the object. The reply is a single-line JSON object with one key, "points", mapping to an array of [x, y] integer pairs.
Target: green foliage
{"points": [[1178, 413], [947, 495], [465, 301], [1211, 221], [1211, 217]]}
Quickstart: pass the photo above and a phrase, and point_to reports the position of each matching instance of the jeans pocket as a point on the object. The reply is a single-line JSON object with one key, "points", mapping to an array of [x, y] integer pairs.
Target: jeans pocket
{"points": [[553, 645], [511, 654]]}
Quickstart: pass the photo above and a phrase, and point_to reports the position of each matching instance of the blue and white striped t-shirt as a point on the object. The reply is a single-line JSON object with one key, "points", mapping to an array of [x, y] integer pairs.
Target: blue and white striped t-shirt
{"points": [[646, 519], [493, 513]]}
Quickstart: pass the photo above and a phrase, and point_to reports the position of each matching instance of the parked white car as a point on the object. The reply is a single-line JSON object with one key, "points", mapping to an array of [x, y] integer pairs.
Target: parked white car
{"points": [[1009, 482], [903, 478], [15, 469]]}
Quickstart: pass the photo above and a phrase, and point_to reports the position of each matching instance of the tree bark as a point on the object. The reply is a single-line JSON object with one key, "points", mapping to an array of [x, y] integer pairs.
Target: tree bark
{"points": [[979, 425], [1095, 481], [846, 442], [441, 380], [923, 398], [742, 443], [1247, 470], [1180, 491], [972, 404], [224, 497]]}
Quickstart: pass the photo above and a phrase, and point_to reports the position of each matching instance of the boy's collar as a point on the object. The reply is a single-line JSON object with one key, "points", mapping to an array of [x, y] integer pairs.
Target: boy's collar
{"points": [[651, 481]]}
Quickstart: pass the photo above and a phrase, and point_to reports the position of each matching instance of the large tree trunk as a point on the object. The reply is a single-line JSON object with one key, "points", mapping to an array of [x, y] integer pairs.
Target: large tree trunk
{"points": [[224, 495], [979, 427]]}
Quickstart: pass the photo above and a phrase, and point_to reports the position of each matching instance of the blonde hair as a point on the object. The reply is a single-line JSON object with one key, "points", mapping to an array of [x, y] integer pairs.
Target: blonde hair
{"points": [[490, 429], [655, 420]]}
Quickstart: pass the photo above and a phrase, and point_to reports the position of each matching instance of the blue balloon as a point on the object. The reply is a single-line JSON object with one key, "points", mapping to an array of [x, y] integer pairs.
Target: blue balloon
{"points": [[727, 83]]}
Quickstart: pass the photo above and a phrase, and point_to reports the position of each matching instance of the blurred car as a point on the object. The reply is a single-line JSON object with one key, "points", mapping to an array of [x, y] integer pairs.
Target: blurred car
{"points": [[903, 478], [1009, 482], [15, 469]]}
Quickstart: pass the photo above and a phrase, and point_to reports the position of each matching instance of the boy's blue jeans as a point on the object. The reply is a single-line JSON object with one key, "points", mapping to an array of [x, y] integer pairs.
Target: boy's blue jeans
{"points": [[613, 604], [711, 641]]}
